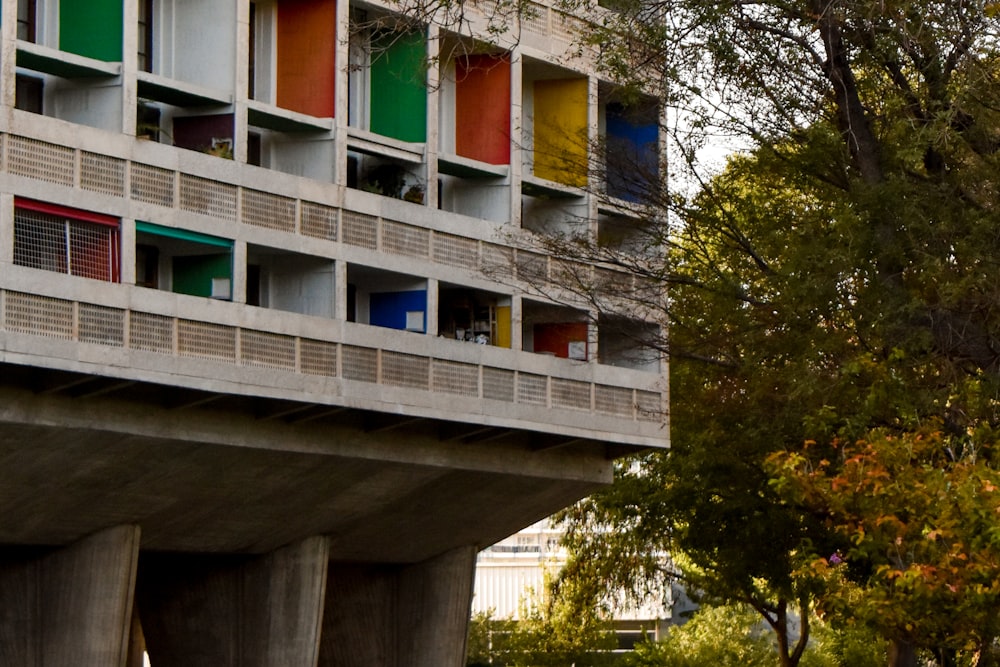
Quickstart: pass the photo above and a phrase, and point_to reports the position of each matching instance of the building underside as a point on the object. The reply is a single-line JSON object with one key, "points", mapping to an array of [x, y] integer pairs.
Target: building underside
{"points": [[210, 473], [350, 534]]}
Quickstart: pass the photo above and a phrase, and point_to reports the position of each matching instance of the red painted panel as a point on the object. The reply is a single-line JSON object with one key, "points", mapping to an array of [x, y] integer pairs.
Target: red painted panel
{"points": [[482, 108], [66, 212], [307, 45], [556, 337]]}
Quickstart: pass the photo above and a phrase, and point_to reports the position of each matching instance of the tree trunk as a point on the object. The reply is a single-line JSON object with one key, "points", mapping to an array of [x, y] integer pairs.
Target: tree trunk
{"points": [[902, 653], [987, 656], [854, 121]]}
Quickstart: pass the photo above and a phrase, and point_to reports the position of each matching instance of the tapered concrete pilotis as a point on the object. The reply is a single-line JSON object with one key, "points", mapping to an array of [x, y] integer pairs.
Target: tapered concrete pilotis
{"points": [[69, 607], [434, 601], [261, 611], [390, 616]]}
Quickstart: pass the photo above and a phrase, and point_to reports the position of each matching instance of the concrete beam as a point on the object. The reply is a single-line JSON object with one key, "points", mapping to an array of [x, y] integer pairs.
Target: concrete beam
{"points": [[71, 607], [210, 611]]}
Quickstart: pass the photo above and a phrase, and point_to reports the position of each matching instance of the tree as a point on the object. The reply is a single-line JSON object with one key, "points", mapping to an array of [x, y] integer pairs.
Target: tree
{"points": [[748, 329], [837, 284], [733, 636], [920, 515], [721, 636], [553, 631]]}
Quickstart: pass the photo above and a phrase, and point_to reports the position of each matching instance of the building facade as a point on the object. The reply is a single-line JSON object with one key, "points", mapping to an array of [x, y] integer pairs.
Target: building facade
{"points": [[276, 360]]}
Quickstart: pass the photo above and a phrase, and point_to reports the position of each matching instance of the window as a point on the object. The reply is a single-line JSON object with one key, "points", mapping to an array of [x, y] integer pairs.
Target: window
{"points": [[358, 77], [146, 35], [252, 62], [26, 19], [254, 147], [147, 120], [28, 93], [55, 238]]}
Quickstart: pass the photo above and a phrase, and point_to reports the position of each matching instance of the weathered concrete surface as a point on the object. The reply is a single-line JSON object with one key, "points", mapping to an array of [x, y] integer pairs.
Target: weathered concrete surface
{"points": [[228, 480], [71, 606], [399, 616], [345, 538], [434, 601], [258, 611]]}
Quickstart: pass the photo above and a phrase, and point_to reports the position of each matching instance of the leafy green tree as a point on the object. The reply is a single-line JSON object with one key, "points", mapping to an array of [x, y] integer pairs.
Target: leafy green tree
{"points": [[721, 636], [835, 284], [552, 631], [746, 329], [734, 636]]}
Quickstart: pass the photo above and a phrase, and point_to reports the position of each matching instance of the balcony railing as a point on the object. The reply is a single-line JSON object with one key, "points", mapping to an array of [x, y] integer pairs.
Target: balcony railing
{"points": [[547, 397], [229, 201]]}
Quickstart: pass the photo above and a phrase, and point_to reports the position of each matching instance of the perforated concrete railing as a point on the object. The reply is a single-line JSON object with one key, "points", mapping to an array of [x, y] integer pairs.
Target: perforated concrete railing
{"points": [[401, 239], [101, 173], [53, 163], [319, 221], [153, 185], [535, 19], [547, 22], [208, 197], [238, 346], [264, 209]]}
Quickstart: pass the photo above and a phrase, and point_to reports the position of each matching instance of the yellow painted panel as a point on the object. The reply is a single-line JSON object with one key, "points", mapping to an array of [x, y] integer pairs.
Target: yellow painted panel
{"points": [[503, 326], [560, 131]]}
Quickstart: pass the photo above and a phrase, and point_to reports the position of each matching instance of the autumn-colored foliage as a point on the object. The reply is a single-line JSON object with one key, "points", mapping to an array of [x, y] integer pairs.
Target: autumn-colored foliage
{"points": [[918, 517]]}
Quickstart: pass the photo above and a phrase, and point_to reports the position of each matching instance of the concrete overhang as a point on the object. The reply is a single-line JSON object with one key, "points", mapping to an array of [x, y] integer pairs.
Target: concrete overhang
{"points": [[215, 473]]}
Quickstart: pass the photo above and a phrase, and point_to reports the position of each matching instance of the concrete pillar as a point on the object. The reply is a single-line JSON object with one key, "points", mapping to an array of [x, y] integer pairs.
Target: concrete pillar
{"points": [[399, 616], [433, 305], [71, 607], [340, 290], [435, 598], [434, 56], [136, 643], [234, 611], [292, 585], [359, 622], [238, 289], [8, 59]]}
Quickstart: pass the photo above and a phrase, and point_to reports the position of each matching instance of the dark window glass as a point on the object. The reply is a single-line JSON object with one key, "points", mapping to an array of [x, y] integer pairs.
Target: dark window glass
{"points": [[28, 94], [26, 17], [146, 35]]}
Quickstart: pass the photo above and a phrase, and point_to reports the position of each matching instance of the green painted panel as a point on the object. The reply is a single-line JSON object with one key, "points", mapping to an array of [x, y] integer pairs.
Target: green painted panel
{"points": [[398, 88], [193, 273], [183, 234], [91, 28]]}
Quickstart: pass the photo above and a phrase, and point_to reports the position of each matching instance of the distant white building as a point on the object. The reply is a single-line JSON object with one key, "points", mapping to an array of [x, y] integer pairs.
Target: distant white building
{"points": [[511, 574]]}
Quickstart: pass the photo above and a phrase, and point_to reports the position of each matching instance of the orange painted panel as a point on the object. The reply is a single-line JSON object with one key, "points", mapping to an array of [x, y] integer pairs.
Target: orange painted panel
{"points": [[557, 338], [482, 108], [307, 45]]}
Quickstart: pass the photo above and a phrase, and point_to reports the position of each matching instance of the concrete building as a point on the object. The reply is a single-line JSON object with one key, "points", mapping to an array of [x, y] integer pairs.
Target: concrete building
{"points": [[261, 398]]}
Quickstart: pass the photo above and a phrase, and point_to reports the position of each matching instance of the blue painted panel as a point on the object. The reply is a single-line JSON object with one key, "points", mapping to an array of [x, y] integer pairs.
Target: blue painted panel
{"points": [[632, 148], [388, 309]]}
